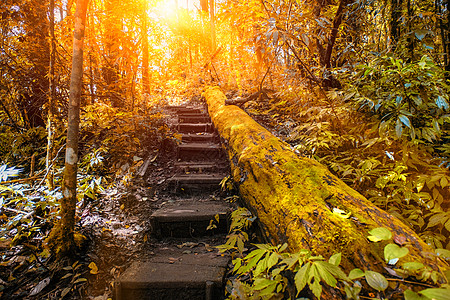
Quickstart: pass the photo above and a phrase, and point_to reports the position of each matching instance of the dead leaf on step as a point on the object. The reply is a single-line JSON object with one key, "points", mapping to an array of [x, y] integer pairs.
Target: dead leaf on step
{"points": [[188, 244], [173, 260], [208, 247]]}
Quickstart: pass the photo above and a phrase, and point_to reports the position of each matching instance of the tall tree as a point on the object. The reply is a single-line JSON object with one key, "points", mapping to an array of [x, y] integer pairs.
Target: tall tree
{"points": [[212, 20], [61, 239], [51, 100], [144, 37]]}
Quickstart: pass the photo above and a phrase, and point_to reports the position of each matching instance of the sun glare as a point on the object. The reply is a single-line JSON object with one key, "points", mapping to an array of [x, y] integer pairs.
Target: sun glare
{"points": [[167, 9]]}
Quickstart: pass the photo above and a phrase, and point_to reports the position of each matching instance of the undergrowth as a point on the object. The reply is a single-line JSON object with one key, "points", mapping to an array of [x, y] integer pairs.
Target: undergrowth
{"points": [[113, 145], [266, 271]]}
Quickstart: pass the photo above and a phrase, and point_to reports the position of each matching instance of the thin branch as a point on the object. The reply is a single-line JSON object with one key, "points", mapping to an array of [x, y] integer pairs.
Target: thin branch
{"points": [[51, 165], [262, 81], [23, 179]]}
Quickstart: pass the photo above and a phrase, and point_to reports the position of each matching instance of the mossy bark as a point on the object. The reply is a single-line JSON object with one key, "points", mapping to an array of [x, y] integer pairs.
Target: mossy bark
{"points": [[294, 197]]}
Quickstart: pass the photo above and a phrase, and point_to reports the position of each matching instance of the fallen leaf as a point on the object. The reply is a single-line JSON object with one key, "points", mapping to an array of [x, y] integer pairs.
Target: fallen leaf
{"points": [[93, 267], [172, 260], [40, 286], [400, 239]]}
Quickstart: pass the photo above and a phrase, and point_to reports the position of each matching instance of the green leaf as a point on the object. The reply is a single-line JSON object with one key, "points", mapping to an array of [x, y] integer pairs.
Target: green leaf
{"points": [[316, 288], [356, 273], [412, 266], [80, 280], [301, 278], [420, 33], [272, 261], [442, 103], [237, 264], [283, 247], [379, 234], [398, 128], [444, 253], [334, 270], [261, 283], [325, 275], [376, 280], [67, 276], [392, 251], [405, 120], [335, 259], [436, 219], [410, 295], [261, 266], [436, 293], [268, 291]]}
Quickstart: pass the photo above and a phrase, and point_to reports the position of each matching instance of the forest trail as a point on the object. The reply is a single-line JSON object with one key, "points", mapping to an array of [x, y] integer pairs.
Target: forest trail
{"points": [[185, 264]]}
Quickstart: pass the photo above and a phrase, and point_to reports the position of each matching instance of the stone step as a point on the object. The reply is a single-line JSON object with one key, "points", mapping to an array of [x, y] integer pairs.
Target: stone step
{"points": [[183, 109], [200, 167], [196, 113], [189, 110], [194, 119], [200, 152], [188, 218], [194, 183], [195, 127], [201, 138], [174, 276]]}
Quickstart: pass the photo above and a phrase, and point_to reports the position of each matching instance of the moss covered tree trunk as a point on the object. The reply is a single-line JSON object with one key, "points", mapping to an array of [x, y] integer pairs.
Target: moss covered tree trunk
{"points": [[295, 198]]}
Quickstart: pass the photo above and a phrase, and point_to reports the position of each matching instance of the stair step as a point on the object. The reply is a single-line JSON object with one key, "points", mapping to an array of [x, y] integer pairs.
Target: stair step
{"points": [[186, 218], [204, 137], [200, 152], [193, 183], [185, 108], [196, 113], [193, 119], [169, 276], [195, 127], [200, 167], [188, 110]]}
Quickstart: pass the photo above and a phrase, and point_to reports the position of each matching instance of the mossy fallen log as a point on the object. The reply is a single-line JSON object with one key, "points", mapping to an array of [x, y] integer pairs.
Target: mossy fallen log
{"points": [[297, 200]]}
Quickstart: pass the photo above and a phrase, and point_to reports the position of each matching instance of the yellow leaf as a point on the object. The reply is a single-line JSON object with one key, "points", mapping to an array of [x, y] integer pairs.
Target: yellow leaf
{"points": [[122, 207], [93, 267]]}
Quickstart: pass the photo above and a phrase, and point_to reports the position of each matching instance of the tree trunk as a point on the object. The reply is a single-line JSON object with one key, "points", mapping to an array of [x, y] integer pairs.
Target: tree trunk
{"points": [[212, 22], [51, 101], [334, 32], [396, 13], [447, 42], [61, 239], [294, 197], [144, 36]]}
